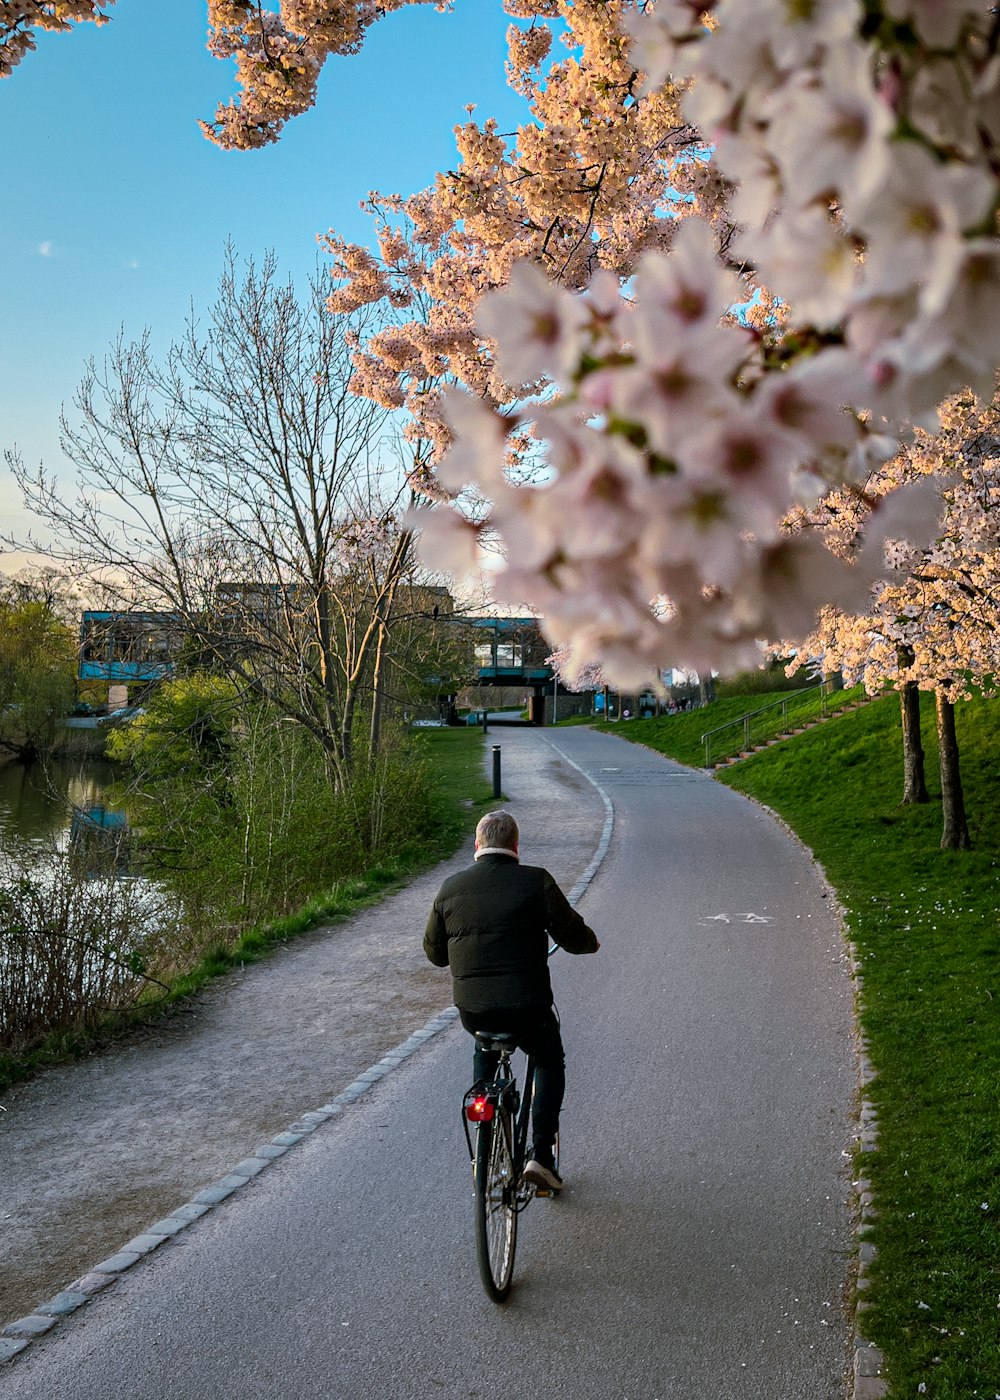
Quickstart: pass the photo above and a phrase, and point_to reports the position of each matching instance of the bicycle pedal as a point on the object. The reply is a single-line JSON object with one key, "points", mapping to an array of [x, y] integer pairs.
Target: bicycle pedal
{"points": [[543, 1191]]}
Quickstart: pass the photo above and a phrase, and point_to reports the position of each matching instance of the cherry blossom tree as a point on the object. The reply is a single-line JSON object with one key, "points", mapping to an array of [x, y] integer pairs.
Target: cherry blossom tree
{"points": [[934, 622], [858, 145], [279, 55], [575, 678], [580, 188], [21, 19], [677, 450], [853, 144]]}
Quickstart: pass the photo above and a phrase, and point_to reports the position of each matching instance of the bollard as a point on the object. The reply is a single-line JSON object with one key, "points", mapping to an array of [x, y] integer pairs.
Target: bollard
{"points": [[484, 722], [496, 770]]}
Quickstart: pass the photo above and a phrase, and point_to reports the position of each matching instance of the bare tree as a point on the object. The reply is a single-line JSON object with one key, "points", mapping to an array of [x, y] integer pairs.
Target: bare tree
{"points": [[242, 490], [426, 650]]}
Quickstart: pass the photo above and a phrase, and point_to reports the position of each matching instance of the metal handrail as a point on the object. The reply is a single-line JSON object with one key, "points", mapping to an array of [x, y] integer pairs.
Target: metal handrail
{"points": [[824, 687]]}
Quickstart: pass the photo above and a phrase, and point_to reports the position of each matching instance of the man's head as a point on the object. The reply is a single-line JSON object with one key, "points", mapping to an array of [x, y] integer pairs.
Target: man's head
{"points": [[497, 831]]}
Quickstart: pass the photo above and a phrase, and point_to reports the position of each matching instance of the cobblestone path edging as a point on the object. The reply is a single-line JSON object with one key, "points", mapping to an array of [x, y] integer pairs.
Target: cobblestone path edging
{"points": [[869, 1383], [18, 1335]]}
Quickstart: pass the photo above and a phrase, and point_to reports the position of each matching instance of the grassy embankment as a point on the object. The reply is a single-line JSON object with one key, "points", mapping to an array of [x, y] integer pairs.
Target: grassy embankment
{"points": [[681, 733], [925, 923], [460, 794]]}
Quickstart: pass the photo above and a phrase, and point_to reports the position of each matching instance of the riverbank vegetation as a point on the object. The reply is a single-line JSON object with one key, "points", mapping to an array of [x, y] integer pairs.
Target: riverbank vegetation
{"points": [[233, 805], [86, 959], [261, 601], [74, 946], [925, 924], [37, 667]]}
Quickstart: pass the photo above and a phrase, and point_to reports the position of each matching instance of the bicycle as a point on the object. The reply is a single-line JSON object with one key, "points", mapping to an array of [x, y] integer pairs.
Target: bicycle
{"points": [[502, 1114]]}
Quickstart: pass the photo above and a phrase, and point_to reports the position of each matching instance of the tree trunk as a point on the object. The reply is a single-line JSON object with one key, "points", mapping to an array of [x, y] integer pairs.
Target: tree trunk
{"points": [[955, 835], [383, 613], [375, 731], [334, 721], [347, 726], [914, 783], [333, 762]]}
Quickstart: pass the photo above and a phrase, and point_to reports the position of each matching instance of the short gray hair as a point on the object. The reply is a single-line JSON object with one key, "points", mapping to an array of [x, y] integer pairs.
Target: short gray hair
{"points": [[497, 830]]}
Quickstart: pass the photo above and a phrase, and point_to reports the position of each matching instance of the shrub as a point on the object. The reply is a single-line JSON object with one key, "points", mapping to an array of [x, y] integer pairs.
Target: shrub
{"points": [[72, 948]]}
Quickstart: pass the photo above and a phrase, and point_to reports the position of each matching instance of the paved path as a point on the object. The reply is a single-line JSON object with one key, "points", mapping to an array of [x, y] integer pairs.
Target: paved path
{"points": [[702, 1248], [91, 1153]]}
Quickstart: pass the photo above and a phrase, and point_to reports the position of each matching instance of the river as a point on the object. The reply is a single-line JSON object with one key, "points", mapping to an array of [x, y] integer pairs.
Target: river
{"points": [[38, 801], [79, 934]]}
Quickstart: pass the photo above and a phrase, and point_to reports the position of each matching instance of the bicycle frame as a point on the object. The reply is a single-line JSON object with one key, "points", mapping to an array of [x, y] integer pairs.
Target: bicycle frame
{"points": [[511, 1112]]}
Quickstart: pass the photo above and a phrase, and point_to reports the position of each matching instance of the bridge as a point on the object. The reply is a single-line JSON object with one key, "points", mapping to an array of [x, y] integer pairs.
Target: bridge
{"points": [[129, 648], [516, 647], [516, 657], [126, 648]]}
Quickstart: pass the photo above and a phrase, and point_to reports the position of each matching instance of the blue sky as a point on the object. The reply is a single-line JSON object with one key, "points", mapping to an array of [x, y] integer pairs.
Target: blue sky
{"points": [[116, 210]]}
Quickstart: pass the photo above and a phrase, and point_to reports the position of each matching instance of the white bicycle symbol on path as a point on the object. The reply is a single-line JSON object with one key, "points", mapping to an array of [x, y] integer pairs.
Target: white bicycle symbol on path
{"points": [[737, 919]]}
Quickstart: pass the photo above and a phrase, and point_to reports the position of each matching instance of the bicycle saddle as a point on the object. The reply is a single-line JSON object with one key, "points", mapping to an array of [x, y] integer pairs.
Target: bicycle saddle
{"points": [[496, 1040]]}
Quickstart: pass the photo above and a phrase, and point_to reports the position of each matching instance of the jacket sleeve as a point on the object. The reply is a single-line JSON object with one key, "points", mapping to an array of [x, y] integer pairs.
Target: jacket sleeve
{"points": [[436, 938], [564, 924]]}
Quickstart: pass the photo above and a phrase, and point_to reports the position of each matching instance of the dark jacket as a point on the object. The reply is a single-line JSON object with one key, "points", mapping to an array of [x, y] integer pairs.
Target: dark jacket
{"points": [[491, 924]]}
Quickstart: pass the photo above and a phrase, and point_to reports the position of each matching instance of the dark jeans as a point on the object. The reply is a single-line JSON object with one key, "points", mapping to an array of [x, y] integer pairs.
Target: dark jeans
{"points": [[537, 1034]]}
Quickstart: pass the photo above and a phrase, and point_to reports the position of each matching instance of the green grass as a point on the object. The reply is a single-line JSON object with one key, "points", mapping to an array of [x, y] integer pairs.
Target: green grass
{"points": [[461, 795], [679, 736], [457, 758], [925, 923]]}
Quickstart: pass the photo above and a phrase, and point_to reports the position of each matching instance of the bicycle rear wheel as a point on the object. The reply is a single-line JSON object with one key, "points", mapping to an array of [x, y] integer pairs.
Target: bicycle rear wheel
{"points": [[496, 1207]]}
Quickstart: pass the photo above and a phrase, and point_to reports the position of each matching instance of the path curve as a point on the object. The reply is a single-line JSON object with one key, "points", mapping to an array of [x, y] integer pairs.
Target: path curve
{"points": [[703, 1245], [92, 1153]]}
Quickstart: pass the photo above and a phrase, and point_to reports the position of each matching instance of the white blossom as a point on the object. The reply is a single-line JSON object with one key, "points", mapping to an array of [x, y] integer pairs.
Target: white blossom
{"points": [[914, 225], [447, 541], [829, 130], [667, 528], [809, 257], [538, 326], [480, 449], [938, 21]]}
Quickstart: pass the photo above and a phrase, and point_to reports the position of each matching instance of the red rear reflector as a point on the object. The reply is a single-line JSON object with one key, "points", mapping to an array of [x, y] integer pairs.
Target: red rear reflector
{"points": [[479, 1110]]}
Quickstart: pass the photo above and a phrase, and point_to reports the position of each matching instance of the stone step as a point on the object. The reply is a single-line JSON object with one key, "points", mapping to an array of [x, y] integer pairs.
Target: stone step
{"points": [[790, 733]]}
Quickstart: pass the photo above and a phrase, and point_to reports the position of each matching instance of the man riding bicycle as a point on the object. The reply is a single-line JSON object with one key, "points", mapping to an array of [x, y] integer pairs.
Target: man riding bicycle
{"points": [[491, 924]]}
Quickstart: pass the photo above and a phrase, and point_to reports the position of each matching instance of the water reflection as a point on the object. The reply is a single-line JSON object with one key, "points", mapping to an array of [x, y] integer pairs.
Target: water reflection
{"points": [[42, 804], [76, 938]]}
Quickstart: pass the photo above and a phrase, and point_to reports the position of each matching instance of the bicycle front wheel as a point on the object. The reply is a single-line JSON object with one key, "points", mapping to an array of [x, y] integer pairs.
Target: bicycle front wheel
{"points": [[496, 1207]]}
